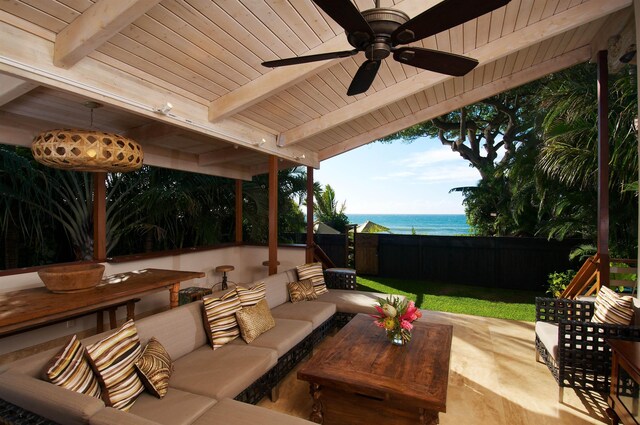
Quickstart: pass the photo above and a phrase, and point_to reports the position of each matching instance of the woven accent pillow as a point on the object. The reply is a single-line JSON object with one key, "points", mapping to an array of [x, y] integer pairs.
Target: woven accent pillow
{"points": [[70, 369], [612, 308], [255, 320], [155, 368], [220, 318], [301, 290], [112, 359], [313, 271], [251, 296]]}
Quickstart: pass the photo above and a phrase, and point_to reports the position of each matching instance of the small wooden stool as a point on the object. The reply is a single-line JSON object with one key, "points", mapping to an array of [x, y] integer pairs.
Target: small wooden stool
{"points": [[266, 263], [224, 269]]}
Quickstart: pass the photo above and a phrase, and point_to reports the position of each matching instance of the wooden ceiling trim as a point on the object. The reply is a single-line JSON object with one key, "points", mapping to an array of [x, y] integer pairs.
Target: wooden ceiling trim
{"points": [[187, 37], [145, 64], [572, 18], [470, 97], [12, 88], [94, 27], [34, 16]]}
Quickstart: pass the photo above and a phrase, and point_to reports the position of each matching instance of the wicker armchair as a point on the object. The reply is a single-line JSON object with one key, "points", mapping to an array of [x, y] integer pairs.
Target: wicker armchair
{"points": [[582, 358]]}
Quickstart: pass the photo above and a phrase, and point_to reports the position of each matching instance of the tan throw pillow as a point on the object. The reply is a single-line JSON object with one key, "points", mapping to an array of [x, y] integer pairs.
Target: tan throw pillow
{"points": [[113, 360], [251, 296], [254, 321], [220, 318], [314, 272], [612, 308], [301, 290], [155, 368], [70, 369]]}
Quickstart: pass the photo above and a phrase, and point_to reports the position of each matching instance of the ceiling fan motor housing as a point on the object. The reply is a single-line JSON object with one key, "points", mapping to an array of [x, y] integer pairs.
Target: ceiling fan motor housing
{"points": [[383, 22]]}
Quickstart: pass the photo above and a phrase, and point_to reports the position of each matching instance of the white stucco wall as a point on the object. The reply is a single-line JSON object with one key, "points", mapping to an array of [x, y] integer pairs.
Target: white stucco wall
{"points": [[247, 261]]}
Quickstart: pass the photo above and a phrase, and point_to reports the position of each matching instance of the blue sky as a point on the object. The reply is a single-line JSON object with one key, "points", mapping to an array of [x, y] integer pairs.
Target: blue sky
{"points": [[398, 178]]}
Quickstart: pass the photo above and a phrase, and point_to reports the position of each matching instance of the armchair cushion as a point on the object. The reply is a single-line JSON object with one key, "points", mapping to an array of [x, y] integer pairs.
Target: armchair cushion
{"points": [[547, 333], [613, 308]]}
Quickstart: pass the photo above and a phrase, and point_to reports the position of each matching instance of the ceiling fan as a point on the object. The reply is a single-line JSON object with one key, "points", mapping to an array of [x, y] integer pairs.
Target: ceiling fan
{"points": [[377, 32]]}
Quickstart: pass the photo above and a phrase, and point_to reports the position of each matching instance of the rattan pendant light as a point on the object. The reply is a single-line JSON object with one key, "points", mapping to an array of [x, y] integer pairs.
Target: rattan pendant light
{"points": [[87, 150]]}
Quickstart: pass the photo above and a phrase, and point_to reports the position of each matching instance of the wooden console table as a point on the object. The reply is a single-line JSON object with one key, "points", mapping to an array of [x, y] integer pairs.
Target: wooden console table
{"points": [[32, 308]]}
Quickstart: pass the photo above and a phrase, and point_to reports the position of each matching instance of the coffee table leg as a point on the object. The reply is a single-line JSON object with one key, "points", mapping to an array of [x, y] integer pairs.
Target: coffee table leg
{"points": [[316, 410], [428, 417]]}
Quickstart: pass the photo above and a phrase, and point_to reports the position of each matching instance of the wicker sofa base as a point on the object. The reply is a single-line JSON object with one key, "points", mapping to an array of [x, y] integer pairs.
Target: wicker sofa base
{"points": [[11, 414]]}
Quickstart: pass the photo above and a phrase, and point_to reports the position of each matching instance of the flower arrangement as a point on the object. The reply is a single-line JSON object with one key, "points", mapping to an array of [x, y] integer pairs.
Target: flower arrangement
{"points": [[395, 316]]}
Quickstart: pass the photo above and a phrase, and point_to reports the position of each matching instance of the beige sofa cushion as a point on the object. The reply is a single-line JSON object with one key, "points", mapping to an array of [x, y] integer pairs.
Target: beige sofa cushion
{"points": [[48, 400], [231, 412], [176, 408], [111, 416], [276, 285], [220, 373], [548, 334], [312, 311], [349, 301], [283, 337]]}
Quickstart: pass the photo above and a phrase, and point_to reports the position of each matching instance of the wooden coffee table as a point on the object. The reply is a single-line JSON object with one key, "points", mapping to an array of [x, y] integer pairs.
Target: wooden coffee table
{"points": [[362, 378]]}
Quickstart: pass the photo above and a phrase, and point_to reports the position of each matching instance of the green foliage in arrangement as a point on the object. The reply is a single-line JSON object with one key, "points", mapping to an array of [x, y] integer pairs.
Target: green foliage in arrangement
{"points": [[463, 299], [558, 282]]}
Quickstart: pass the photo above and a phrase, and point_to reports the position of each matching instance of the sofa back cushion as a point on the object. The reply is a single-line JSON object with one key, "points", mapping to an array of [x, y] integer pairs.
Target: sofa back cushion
{"points": [[277, 292]]}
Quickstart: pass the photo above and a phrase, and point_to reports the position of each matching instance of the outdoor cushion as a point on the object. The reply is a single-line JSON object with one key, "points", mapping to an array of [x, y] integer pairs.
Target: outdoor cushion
{"points": [[176, 408], [225, 372], [314, 272], [113, 359], [313, 311], [277, 287], [255, 320], [220, 318], [251, 296], [70, 369], [231, 412], [547, 333], [301, 290], [110, 416], [154, 368], [179, 329], [612, 308], [283, 337], [349, 301]]}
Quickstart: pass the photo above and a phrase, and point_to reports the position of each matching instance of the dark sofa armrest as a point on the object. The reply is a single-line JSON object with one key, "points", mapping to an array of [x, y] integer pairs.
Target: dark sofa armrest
{"points": [[340, 279], [556, 309]]}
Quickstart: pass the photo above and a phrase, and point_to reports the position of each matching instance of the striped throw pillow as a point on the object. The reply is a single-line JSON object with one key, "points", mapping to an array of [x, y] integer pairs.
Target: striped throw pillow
{"points": [[220, 318], [313, 271], [301, 291], [113, 360], [612, 308], [70, 369], [155, 368], [255, 320], [251, 296]]}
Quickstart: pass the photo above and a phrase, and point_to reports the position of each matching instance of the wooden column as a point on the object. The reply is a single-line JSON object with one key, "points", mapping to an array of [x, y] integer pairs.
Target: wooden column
{"points": [[309, 251], [238, 210], [100, 216], [636, 7], [603, 167], [273, 214]]}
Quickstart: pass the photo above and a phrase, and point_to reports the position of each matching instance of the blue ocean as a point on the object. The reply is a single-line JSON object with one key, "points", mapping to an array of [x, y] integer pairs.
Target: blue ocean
{"points": [[423, 224]]}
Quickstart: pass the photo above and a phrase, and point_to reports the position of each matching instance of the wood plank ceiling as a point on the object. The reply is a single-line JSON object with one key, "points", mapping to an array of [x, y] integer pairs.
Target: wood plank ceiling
{"points": [[229, 113]]}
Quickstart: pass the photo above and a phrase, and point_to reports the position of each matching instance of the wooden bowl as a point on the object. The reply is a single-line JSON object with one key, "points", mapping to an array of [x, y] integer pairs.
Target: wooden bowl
{"points": [[76, 278]]}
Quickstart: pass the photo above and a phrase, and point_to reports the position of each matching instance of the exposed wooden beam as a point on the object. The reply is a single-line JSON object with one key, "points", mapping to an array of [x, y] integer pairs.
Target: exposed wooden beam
{"points": [[506, 83], [603, 167], [98, 80], [279, 79], [515, 41], [273, 215], [264, 168], [153, 131], [223, 155], [12, 88], [100, 216], [94, 27]]}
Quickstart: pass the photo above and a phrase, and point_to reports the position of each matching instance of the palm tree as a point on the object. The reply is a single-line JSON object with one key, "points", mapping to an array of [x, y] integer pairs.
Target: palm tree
{"points": [[326, 208]]}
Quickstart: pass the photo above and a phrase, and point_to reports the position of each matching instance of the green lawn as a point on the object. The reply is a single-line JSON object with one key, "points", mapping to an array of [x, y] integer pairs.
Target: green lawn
{"points": [[488, 302]]}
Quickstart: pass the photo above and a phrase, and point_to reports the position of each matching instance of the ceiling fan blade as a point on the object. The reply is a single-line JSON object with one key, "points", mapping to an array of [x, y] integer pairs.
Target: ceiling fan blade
{"points": [[310, 58], [346, 15], [363, 78], [434, 60], [442, 16]]}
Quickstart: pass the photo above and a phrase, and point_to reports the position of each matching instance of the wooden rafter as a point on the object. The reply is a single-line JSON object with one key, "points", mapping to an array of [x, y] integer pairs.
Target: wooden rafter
{"points": [[12, 88], [517, 40], [94, 27], [221, 156]]}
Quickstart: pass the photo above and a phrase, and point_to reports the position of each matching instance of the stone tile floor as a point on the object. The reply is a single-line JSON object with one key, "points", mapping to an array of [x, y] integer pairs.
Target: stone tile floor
{"points": [[493, 379]]}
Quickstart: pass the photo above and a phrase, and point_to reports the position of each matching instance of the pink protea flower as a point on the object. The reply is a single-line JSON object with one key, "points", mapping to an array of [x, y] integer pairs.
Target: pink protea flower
{"points": [[379, 324], [405, 324], [410, 313], [379, 310]]}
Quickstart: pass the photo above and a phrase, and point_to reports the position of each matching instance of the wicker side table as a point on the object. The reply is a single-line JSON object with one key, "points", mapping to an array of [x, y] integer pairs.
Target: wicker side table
{"points": [[192, 293], [339, 278]]}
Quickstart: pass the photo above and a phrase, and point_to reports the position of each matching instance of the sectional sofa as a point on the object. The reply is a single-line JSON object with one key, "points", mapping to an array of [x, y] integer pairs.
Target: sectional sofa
{"points": [[207, 386]]}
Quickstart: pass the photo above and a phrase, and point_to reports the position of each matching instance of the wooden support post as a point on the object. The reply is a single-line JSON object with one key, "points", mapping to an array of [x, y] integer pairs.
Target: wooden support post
{"points": [[273, 214], [603, 167], [309, 251], [636, 7], [100, 216], [239, 200]]}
